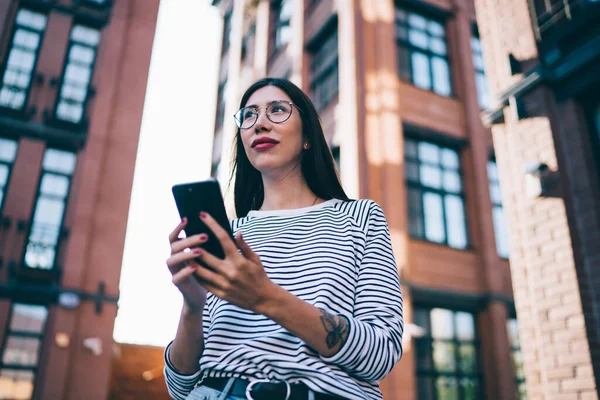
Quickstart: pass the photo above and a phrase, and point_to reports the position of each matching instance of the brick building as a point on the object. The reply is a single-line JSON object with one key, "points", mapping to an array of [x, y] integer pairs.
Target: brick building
{"points": [[73, 81], [543, 62], [400, 88]]}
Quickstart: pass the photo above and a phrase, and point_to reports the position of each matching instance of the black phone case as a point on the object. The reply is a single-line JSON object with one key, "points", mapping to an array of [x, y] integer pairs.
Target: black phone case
{"points": [[195, 197]]}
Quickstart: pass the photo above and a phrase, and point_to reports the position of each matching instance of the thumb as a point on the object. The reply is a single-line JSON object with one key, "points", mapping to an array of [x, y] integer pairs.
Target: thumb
{"points": [[246, 250]]}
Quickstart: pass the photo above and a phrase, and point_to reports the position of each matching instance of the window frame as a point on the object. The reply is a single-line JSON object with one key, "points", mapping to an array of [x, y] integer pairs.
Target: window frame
{"points": [[418, 135], [479, 71], [432, 373], [496, 181], [62, 222], [430, 14], [24, 334], [89, 89], [277, 24], [42, 35]]}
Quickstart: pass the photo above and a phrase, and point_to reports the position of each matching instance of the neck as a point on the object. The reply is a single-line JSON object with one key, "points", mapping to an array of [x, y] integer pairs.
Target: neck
{"points": [[287, 191]]}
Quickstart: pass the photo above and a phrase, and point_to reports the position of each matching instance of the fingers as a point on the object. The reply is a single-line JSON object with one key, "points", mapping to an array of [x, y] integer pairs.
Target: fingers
{"points": [[181, 258], [173, 236], [192, 241], [246, 250], [210, 279], [221, 234], [183, 274]]}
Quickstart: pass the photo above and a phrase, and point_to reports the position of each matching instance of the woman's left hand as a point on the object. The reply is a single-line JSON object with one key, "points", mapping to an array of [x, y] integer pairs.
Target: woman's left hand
{"points": [[239, 278]]}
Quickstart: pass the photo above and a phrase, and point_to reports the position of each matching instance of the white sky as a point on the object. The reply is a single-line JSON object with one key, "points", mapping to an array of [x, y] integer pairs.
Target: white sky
{"points": [[175, 146]]}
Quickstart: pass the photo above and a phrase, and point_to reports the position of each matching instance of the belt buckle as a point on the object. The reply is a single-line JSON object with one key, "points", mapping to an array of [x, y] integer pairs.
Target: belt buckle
{"points": [[251, 385]]}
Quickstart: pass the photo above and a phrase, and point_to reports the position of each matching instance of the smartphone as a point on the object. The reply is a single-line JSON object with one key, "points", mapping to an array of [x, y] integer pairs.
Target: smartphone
{"points": [[191, 199]]}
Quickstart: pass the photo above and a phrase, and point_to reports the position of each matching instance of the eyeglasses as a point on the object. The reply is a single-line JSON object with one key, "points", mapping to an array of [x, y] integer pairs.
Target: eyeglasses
{"points": [[277, 112]]}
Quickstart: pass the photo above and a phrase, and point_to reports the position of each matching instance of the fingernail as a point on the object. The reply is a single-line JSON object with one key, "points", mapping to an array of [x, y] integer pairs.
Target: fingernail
{"points": [[184, 220], [203, 237], [203, 215], [197, 251]]}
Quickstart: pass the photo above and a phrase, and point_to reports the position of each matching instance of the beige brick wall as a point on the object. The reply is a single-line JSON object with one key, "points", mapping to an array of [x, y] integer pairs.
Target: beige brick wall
{"points": [[547, 287]]}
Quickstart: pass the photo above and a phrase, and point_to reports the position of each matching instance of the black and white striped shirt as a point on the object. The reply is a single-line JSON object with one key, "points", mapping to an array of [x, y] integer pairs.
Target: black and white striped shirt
{"points": [[337, 256]]}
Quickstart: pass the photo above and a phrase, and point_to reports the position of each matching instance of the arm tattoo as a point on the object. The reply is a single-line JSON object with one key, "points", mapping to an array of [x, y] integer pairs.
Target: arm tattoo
{"points": [[336, 327]]}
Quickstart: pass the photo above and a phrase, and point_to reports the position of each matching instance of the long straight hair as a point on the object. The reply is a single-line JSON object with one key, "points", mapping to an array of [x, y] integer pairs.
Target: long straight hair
{"points": [[318, 166]]}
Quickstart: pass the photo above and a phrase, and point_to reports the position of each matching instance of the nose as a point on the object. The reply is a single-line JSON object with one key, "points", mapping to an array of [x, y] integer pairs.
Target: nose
{"points": [[262, 122]]}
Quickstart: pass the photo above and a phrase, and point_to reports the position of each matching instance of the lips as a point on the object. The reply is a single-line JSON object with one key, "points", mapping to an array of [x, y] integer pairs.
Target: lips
{"points": [[264, 142]]}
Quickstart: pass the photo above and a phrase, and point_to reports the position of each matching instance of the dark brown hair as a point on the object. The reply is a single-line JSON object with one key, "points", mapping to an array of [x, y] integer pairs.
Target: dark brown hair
{"points": [[318, 166]]}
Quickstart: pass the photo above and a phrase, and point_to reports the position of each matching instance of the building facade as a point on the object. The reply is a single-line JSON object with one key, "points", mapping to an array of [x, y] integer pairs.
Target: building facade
{"points": [[400, 87], [72, 85], [543, 62]]}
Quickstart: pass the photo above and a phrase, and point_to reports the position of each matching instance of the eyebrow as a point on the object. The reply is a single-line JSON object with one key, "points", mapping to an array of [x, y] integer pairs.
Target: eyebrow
{"points": [[268, 104]]}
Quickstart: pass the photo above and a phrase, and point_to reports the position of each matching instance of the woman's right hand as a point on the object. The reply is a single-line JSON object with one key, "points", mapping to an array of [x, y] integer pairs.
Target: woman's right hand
{"points": [[182, 265]]}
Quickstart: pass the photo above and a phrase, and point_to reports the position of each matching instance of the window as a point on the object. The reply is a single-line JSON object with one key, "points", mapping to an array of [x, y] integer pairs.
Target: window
{"points": [[221, 102], [435, 193], [483, 94], [324, 71], [226, 32], [281, 31], [248, 44], [22, 58], [447, 355], [20, 356], [8, 153], [500, 228], [77, 76], [58, 167], [512, 326], [422, 52]]}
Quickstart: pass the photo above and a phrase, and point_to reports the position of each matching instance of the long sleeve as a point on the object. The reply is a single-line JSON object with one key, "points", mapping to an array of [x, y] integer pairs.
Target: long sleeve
{"points": [[180, 385], [374, 342]]}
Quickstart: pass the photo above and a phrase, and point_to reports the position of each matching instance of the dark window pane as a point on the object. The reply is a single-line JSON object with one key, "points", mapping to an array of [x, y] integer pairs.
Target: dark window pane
{"points": [[425, 388], [470, 389], [467, 360], [410, 148], [447, 388], [423, 354], [404, 63], [415, 213], [411, 170]]}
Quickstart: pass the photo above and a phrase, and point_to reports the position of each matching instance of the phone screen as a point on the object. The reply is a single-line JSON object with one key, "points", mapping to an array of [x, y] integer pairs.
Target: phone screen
{"points": [[193, 198]]}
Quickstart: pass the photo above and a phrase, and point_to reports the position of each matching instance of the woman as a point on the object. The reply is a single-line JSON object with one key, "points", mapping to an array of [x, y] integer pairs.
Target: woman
{"points": [[307, 302]]}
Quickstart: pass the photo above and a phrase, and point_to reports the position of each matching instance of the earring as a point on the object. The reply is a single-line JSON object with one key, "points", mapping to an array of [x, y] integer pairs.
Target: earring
{"points": [[306, 145]]}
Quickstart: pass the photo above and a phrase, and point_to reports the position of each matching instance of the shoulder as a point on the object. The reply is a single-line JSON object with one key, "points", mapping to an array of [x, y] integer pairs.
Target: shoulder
{"points": [[363, 211]]}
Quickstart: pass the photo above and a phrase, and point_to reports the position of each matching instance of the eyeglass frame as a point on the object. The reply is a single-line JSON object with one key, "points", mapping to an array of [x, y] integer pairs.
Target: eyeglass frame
{"points": [[258, 108]]}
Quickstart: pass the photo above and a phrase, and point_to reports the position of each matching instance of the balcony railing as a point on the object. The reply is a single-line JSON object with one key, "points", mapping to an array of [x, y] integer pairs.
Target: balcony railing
{"points": [[549, 13]]}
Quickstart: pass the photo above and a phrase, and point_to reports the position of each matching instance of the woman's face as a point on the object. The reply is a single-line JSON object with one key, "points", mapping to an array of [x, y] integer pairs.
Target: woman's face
{"points": [[272, 146]]}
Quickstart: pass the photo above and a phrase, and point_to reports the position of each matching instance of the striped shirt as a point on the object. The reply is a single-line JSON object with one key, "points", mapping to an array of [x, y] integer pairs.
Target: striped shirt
{"points": [[337, 256]]}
